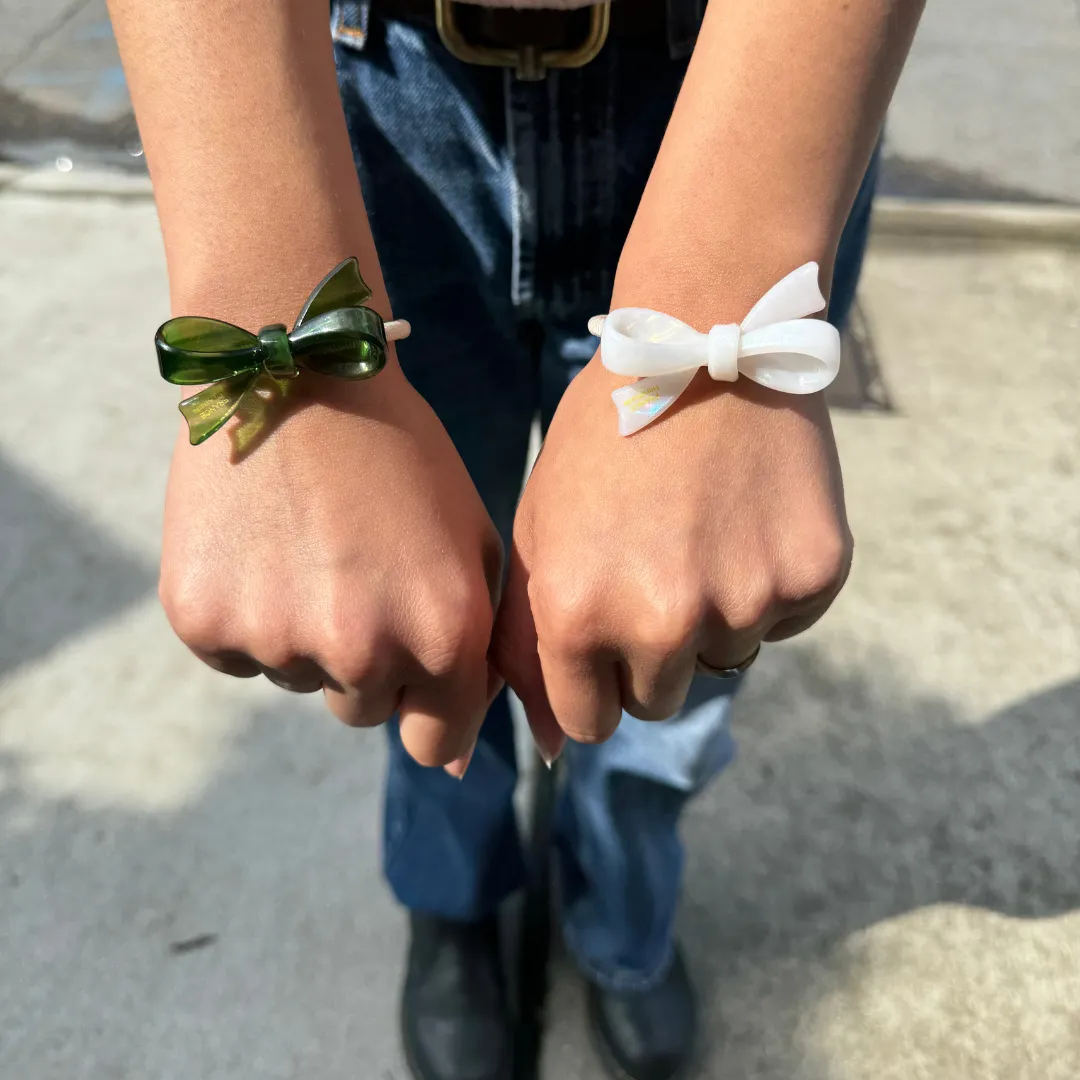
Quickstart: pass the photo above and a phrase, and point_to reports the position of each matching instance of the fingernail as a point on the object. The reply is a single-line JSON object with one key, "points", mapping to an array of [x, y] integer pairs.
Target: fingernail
{"points": [[457, 768], [549, 755]]}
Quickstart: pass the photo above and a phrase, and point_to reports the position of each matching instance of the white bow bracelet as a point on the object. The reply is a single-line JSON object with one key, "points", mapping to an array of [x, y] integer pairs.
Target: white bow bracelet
{"points": [[775, 345]]}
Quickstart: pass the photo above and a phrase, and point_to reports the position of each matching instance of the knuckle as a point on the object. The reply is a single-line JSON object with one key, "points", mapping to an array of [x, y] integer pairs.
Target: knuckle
{"points": [[749, 607], [668, 629], [195, 621], [355, 667], [351, 654], [274, 651], [818, 569], [566, 620], [457, 629], [445, 648]]}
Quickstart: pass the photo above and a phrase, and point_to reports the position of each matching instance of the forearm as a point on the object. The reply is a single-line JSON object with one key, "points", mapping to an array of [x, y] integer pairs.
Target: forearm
{"points": [[238, 108], [781, 107]]}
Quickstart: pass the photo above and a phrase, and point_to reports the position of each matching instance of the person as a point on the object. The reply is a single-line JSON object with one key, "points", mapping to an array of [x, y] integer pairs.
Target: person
{"points": [[698, 157]]}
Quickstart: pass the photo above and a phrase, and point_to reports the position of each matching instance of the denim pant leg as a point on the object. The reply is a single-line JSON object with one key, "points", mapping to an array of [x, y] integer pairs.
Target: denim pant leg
{"points": [[620, 859], [435, 186], [853, 240], [436, 180]]}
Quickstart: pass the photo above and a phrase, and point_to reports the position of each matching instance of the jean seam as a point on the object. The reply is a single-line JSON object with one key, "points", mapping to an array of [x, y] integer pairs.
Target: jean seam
{"points": [[521, 149]]}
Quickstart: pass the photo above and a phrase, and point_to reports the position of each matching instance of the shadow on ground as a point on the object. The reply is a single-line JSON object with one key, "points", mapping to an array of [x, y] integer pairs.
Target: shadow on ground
{"points": [[33, 135], [244, 935], [860, 385], [58, 574], [166, 944], [853, 802], [921, 178]]}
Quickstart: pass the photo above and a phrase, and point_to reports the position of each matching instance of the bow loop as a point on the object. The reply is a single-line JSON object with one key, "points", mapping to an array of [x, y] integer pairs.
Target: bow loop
{"points": [[193, 350], [347, 343], [775, 345], [334, 335], [637, 341], [801, 356]]}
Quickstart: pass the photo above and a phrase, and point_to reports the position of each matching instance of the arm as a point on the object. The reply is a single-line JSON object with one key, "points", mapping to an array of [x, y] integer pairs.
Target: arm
{"points": [[287, 560], [721, 524], [245, 138], [781, 107]]}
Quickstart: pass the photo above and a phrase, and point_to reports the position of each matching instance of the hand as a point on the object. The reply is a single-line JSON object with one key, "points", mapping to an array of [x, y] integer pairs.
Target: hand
{"points": [[719, 526], [349, 552]]}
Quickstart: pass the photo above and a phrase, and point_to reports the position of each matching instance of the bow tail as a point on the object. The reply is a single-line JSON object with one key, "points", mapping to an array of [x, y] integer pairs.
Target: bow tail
{"points": [[209, 409], [642, 402]]}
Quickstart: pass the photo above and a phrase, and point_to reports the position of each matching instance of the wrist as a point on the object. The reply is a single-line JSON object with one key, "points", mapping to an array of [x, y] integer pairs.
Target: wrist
{"points": [[711, 272], [337, 343], [249, 286]]}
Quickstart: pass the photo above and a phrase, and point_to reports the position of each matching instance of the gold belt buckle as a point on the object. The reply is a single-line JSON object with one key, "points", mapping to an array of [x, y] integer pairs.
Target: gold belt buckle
{"points": [[530, 62]]}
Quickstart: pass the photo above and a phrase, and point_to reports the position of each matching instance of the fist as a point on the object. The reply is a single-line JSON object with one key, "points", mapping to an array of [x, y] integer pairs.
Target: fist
{"points": [[638, 559], [348, 553]]}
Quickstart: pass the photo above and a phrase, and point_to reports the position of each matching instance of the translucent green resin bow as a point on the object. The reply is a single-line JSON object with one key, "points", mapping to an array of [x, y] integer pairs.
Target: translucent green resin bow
{"points": [[334, 335]]}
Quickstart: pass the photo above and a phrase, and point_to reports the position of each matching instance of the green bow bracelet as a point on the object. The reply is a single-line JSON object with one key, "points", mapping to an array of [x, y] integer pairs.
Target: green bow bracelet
{"points": [[334, 335]]}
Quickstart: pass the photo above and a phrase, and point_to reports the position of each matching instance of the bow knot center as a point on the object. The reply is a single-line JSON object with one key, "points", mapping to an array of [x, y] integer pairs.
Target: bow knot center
{"points": [[278, 360], [724, 352]]}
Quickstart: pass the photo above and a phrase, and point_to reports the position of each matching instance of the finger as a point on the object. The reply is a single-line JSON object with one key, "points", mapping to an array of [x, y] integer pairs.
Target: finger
{"points": [[658, 662], [364, 671], [655, 682], [583, 691], [796, 624], [301, 677], [459, 765], [514, 654], [367, 705], [728, 652], [733, 631], [441, 714], [230, 662]]}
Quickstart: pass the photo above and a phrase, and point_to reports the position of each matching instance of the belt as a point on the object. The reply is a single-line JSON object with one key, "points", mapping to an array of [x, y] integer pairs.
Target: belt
{"points": [[531, 40]]}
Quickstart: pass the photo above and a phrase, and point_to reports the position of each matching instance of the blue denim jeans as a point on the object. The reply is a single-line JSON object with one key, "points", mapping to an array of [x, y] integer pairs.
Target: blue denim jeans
{"points": [[499, 209]]}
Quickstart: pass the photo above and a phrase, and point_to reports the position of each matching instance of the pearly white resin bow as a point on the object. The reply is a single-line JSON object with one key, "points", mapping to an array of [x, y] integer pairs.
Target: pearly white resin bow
{"points": [[775, 345]]}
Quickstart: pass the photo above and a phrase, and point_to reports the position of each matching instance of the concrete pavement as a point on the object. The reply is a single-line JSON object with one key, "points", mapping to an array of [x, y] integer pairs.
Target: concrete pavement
{"points": [[884, 885], [988, 106], [62, 90]]}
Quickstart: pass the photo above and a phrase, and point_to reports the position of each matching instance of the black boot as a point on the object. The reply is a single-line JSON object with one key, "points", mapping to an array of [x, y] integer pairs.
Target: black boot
{"points": [[646, 1035], [454, 1020]]}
